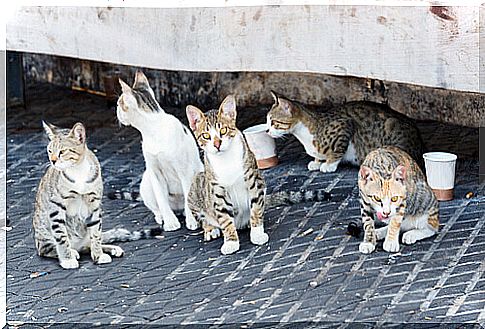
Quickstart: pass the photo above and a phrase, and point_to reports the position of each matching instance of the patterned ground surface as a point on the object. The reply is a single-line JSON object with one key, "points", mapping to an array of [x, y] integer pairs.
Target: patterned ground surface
{"points": [[181, 279]]}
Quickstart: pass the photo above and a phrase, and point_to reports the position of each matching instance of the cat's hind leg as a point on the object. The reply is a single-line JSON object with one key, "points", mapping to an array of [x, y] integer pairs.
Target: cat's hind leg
{"points": [[154, 192], [190, 221], [426, 226], [112, 250]]}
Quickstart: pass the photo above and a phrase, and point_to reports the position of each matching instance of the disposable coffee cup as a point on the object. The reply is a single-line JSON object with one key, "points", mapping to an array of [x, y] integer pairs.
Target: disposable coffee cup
{"points": [[440, 173], [262, 145]]}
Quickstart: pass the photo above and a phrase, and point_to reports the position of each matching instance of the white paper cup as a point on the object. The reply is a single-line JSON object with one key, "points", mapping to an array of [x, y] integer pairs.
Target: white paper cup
{"points": [[440, 173], [262, 145]]}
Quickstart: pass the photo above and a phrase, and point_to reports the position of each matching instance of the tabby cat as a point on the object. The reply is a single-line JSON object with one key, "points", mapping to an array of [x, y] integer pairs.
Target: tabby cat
{"points": [[346, 133], [394, 191], [229, 194], [170, 152], [67, 215]]}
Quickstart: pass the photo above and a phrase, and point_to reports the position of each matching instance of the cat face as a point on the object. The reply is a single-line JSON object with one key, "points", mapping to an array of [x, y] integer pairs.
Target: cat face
{"points": [[216, 129], [281, 118], [386, 195], [135, 101], [66, 147]]}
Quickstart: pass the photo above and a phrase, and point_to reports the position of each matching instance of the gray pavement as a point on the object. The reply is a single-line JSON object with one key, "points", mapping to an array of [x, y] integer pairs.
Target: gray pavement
{"points": [[317, 279]]}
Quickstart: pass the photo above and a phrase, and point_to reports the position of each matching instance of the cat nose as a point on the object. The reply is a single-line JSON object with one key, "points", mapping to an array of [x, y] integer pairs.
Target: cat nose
{"points": [[217, 143], [386, 213], [53, 161]]}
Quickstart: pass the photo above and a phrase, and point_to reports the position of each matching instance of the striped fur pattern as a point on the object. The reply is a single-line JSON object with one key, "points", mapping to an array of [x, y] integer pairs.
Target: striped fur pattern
{"points": [[230, 193], [67, 215], [170, 152], [346, 133], [393, 190]]}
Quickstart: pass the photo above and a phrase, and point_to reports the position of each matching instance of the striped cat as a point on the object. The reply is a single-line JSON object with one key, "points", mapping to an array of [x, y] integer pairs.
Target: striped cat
{"points": [[170, 152], [67, 215], [346, 133], [229, 194], [394, 191]]}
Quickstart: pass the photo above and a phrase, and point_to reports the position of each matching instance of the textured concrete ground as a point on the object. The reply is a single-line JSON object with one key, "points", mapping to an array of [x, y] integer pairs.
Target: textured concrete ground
{"points": [[310, 272]]}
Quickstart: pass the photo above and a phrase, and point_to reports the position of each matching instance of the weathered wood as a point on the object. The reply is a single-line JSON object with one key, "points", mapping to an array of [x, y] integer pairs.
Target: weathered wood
{"points": [[431, 46]]}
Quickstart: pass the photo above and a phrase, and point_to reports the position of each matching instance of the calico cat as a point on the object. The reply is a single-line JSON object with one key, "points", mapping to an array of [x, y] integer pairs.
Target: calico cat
{"points": [[170, 153], [394, 191], [67, 215], [346, 133], [229, 194]]}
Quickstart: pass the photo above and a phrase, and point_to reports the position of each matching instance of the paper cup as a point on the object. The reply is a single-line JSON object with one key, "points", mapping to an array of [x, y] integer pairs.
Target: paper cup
{"points": [[440, 173], [262, 145]]}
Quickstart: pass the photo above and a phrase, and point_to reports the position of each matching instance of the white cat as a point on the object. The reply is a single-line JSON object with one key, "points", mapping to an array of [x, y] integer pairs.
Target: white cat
{"points": [[170, 152]]}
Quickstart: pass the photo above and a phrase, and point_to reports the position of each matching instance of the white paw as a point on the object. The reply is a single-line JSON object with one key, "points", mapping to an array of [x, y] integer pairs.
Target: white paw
{"points": [[116, 251], [74, 254], [230, 247], [391, 245], [213, 234], [325, 167], [409, 237], [104, 259], [313, 165], [258, 236], [191, 223], [69, 263], [366, 247], [171, 223]]}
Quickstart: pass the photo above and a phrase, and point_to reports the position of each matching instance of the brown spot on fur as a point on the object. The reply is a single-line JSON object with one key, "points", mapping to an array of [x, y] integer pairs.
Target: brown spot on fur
{"points": [[442, 12], [434, 222], [382, 20]]}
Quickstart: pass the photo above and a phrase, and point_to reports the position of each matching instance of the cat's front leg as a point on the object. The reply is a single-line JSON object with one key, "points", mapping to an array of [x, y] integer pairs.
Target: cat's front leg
{"points": [[329, 166], [391, 242], [369, 244], [93, 225], [257, 195], [190, 221], [226, 223], [210, 232], [67, 256]]}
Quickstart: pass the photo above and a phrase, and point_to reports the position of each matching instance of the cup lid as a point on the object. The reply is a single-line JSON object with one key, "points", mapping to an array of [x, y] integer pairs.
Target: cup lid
{"points": [[440, 156]]}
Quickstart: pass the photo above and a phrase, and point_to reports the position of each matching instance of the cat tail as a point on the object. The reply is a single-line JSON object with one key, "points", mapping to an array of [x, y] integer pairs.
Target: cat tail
{"points": [[124, 195], [293, 197], [123, 235]]}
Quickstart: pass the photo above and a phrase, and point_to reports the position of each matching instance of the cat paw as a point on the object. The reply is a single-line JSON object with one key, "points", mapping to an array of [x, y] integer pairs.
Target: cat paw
{"points": [[191, 223], [391, 245], [381, 233], [171, 223], [230, 247], [116, 251], [74, 254], [212, 234], [314, 165], [104, 259], [326, 167], [409, 238], [366, 247], [258, 236], [69, 263]]}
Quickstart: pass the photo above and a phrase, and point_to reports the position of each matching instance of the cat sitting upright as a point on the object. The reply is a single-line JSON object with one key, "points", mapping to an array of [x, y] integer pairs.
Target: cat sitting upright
{"points": [[230, 193], [170, 152]]}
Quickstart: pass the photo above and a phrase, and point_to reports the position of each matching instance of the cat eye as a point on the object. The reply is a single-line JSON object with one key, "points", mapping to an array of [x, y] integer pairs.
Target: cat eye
{"points": [[394, 198], [223, 131], [206, 135], [377, 198]]}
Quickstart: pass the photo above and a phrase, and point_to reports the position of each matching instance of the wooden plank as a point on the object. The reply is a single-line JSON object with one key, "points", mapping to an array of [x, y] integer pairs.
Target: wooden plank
{"points": [[435, 47]]}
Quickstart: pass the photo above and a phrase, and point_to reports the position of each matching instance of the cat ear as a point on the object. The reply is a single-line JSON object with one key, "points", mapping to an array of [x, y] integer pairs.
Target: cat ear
{"points": [[228, 107], [365, 173], [285, 105], [194, 115], [141, 80], [399, 173], [275, 96], [50, 129], [125, 88], [78, 132]]}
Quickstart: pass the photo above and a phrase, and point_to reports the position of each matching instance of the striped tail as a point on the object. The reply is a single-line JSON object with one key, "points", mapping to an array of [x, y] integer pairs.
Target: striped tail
{"points": [[293, 197], [123, 235], [124, 195]]}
